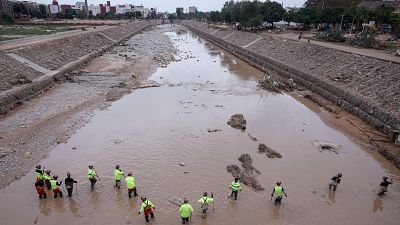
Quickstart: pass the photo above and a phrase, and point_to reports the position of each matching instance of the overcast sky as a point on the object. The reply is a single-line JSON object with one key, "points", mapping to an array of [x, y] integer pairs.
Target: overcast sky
{"points": [[170, 5]]}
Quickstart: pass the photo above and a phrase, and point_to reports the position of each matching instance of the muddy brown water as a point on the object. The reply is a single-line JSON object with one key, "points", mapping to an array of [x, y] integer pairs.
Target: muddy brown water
{"points": [[151, 131]]}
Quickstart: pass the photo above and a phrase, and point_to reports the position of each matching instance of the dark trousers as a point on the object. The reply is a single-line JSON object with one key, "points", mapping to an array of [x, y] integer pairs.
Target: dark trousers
{"points": [[134, 192], [92, 182], [42, 195], [148, 212], [69, 190], [185, 219], [234, 193], [57, 192], [48, 185]]}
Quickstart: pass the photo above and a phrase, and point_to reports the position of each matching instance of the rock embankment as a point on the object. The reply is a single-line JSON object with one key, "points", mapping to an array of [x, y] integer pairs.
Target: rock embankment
{"points": [[29, 70], [366, 87]]}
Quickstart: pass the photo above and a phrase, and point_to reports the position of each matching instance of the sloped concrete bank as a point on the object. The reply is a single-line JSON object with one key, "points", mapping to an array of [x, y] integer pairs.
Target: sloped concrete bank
{"points": [[29, 71], [382, 115]]}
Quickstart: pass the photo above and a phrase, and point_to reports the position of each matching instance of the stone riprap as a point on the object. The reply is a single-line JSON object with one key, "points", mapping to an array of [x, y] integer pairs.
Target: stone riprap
{"points": [[13, 73], [367, 87], [22, 80], [55, 54]]}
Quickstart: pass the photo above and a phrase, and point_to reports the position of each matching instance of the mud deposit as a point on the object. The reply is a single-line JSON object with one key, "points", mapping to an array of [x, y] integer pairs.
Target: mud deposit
{"points": [[152, 130]]}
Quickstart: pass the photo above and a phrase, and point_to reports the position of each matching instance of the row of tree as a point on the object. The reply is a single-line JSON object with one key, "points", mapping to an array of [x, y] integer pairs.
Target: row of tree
{"points": [[22, 9], [254, 13]]}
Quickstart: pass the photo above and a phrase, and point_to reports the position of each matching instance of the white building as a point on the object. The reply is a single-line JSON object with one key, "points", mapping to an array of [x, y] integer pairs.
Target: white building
{"points": [[145, 11], [122, 9], [192, 9], [54, 9], [95, 9], [79, 6]]}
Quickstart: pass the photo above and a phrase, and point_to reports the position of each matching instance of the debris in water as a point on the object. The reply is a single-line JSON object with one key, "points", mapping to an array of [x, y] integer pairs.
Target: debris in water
{"points": [[149, 84], [237, 121], [306, 123], [211, 130], [117, 141], [177, 201], [220, 106], [262, 148], [246, 161], [323, 146], [73, 148], [182, 164], [276, 85], [252, 138], [246, 177]]}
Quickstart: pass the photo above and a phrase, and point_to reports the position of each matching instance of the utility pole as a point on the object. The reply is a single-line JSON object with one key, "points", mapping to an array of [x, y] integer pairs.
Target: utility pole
{"points": [[341, 23]]}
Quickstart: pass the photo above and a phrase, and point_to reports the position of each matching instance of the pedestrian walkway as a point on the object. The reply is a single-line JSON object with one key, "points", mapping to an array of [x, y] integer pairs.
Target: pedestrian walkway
{"points": [[372, 53]]}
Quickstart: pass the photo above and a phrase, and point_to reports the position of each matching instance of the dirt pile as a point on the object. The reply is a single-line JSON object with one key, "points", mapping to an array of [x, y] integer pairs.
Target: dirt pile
{"points": [[237, 121], [277, 85], [247, 174], [262, 148]]}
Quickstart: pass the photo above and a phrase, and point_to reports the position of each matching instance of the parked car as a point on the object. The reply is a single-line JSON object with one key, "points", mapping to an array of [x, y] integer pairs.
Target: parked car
{"points": [[385, 28], [267, 25]]}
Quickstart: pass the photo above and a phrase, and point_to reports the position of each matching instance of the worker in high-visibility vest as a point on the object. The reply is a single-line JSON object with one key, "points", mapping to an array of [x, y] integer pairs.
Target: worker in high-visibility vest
{"points": [[47, 178], [278, 191], [92, 176], [39, 173], [147, 207], [118, 175], [55, 186], [204, 202], [130, 183], [40, 189], [186, 211], [235, 187]]}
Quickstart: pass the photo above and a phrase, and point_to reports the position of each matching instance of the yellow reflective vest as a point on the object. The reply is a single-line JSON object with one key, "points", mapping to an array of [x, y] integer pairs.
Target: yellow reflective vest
{"points": [[185, 210], [278, 190], [91, 173], [205, 200], [117, 174], [130, 182], [146, 205], [235, 186]]}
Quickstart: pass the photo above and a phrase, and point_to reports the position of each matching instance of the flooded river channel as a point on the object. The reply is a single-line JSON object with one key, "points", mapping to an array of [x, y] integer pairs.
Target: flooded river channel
{"points": [[150, 131]]}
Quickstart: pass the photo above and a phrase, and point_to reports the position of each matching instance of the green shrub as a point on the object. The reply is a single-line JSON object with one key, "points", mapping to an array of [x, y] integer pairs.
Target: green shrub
{"points": [[331, 35], [6, 18], [366, 40]]}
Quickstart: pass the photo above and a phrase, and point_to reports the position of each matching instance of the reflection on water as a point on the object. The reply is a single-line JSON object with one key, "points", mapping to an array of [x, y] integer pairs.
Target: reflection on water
{"points": [[378, 204], [275, 213], [44, 207], [331, 197], [160, 127]]}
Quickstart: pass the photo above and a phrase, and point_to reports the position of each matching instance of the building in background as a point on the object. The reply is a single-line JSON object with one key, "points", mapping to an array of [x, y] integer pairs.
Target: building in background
{"points": [[94, 9], [54, 8], [180, 12], [192, 12], [144, 11]]}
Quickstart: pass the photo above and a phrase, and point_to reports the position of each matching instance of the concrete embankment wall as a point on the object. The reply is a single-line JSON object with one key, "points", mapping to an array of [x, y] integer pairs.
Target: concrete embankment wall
{"points": [[365, 87], [28, 71]]}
